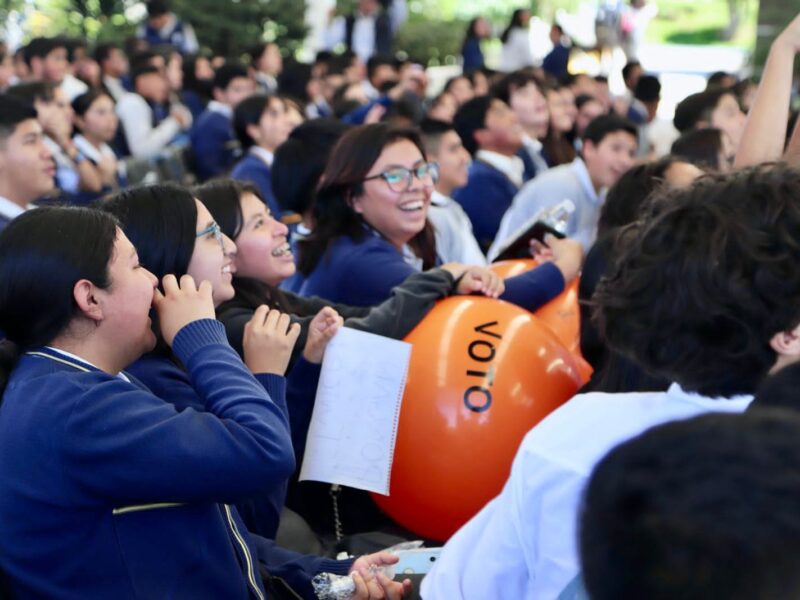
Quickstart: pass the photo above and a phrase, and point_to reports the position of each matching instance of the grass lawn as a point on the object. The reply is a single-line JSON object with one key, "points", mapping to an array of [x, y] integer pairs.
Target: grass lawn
{"points": [[701, 22]]}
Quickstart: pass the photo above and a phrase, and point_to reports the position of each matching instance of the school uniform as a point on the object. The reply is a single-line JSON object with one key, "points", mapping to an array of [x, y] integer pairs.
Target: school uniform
{"points": [[523, 543], [110, 492], [213, 141], [363, 272], [9, 211], [493, 182], [255, 167]]}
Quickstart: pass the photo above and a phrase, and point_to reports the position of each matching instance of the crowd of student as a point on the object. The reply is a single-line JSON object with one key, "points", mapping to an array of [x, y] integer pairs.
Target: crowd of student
{"points": [[163, 340]]}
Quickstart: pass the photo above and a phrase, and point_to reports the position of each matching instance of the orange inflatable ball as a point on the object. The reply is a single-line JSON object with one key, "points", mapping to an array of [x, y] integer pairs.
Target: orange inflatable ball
{"points": [[561, 314], [483, 372]]}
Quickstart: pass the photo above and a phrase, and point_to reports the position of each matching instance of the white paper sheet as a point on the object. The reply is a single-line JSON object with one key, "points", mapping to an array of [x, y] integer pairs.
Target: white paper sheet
{"points": [[354, 424]]}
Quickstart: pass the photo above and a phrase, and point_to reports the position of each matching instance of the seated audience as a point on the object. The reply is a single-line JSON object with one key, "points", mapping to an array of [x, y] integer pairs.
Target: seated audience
{"points": [[609, 150], [48, 62], [113, 69]]}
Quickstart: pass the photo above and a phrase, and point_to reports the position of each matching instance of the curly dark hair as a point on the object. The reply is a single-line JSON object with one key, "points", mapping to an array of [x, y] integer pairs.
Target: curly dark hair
{"points": [[706, 283]]}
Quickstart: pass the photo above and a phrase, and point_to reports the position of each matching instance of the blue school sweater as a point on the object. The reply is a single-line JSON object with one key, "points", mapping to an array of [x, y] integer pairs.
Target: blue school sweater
{"points": [[485, 199], [251, 168], [213, 142], [363, 272], [109, 492], [261, 514]]}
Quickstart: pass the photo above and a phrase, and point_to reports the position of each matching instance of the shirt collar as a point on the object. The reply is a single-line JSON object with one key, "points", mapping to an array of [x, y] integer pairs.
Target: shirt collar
{"points": [[676, 391], [531, 143], [263, 154], [11, 209], [81, 361], [511, 166], [439, 199], [586, 181], [219, 107]]}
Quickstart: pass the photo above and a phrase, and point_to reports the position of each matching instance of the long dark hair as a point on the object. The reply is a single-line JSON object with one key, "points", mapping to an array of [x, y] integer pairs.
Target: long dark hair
{"points": [[43, 254], [161, 223], [223, 199], [343, 180], [516, 22]]}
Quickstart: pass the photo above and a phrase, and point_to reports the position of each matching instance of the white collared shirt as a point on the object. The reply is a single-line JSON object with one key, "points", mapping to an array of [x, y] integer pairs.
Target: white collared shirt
{"points": [[263, 154], [511, 166], [523, 543], [11, 210], [219, 107], [77, 358], [455, 241]]}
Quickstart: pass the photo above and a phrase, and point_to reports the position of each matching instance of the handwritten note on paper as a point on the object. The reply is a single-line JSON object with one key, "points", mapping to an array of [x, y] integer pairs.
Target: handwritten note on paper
{"points": [[354, 424]]}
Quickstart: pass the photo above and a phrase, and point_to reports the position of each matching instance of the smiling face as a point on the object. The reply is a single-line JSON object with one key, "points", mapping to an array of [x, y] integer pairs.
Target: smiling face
{"points": [[610, 158], [126, 302], [262, 246], [211, 260], [398, 216]]}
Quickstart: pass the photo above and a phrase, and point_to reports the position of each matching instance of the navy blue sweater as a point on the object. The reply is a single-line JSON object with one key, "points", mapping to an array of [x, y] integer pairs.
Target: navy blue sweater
{"points": [[363, 273], [109, 492], [485, 199], [213, 144], [251, 168]]}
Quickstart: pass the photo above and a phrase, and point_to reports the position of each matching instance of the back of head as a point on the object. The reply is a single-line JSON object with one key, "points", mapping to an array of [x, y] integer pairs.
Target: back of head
{"points": [[248, 112], [697, 108], [633, 188], [432, 132], [160, 221], [648, 89], [701, 147], [156, 8], [780, 390], [699, 292], [469, 118], [31, 92], [41, 260], [300, 161], [696, 509], [13, 111], [604, 125]]}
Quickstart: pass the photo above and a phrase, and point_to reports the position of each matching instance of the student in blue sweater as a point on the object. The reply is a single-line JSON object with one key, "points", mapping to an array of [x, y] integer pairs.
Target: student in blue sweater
{"points": [[174, 233], [110, 492], [491, 134], [262, 124], [371, 230], [214, 144]]}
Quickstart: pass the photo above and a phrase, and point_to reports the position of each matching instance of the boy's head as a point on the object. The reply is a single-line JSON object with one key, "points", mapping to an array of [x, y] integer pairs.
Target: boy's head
{"points": [[52, 106], [232, 84], [707, 293], [112, 60], [696, 509], [261, 120], [523, 93], [487, 123], [267, 58], [381, 72], [716, 107], [443, 146], [47, 59], [648, 92], [26, 165], [609, 149], [631, 73], [150, 82], [588, 108], [460, 87], [158, 13]]}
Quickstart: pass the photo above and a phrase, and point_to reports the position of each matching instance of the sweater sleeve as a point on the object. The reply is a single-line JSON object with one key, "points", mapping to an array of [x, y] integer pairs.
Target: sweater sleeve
{"points": [[367, 277], [535, 288], [127, 446]]}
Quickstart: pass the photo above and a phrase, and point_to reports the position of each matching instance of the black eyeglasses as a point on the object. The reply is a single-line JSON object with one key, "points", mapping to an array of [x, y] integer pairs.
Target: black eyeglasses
{"points": [[400, 179]]}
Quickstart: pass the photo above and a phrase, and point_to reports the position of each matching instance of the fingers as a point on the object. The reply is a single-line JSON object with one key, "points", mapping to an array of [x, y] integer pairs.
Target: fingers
{"points": [[361, 592], [170, 285], [393, 590], [293, 333]]}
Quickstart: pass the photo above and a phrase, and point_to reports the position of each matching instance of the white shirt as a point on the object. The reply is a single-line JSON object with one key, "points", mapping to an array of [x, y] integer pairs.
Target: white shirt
{"points": [[218, 107], [263, 154], [136, 118], [73, 87], [11, 210], [363, 43], [455, 241], [511, 166], [570, 182], [517, 53], [523, 543], [534, 149], [114, 87]]}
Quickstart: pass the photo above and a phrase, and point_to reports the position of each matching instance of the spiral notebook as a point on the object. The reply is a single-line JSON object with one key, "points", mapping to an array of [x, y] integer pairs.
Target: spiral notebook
{"points": [[354, 424]]}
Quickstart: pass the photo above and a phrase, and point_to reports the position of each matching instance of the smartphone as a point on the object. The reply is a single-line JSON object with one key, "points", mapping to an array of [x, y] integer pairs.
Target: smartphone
{"points": [[416, 562]]}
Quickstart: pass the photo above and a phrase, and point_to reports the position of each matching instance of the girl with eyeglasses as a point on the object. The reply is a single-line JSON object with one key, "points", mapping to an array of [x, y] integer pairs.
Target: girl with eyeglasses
{"points": [[262, 262], [175, 234], [371, 230]]}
